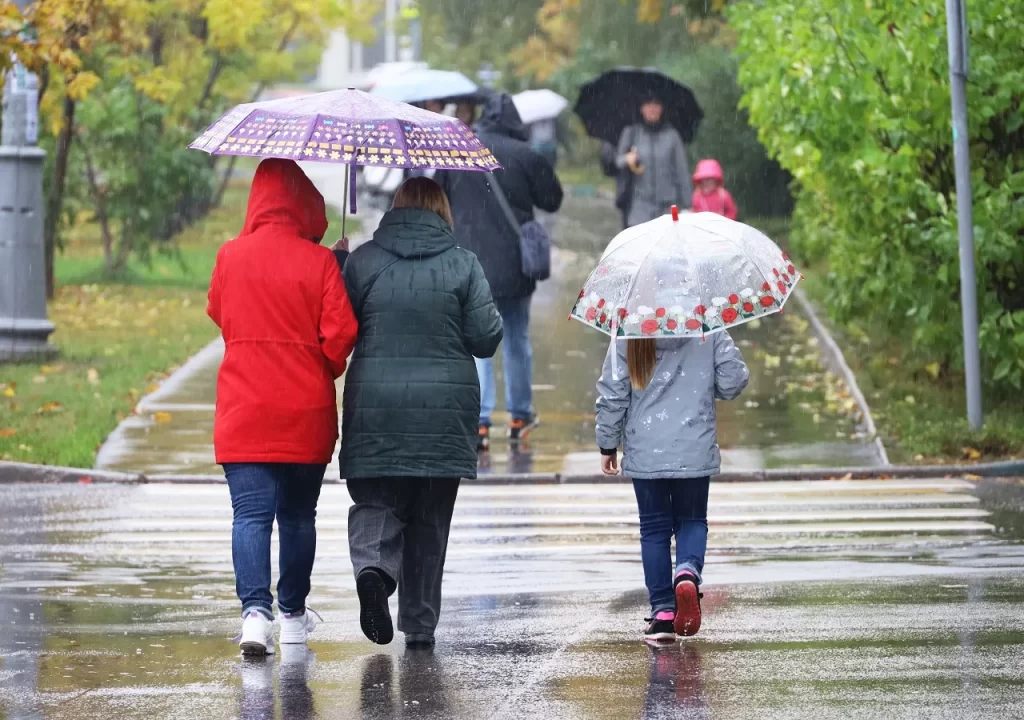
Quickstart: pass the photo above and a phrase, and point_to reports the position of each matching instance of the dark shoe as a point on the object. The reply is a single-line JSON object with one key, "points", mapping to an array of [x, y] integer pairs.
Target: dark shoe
{"points": [[688, 598], [483, 441], [374, 614], [519, 430], [419, 641], [659, 628]]}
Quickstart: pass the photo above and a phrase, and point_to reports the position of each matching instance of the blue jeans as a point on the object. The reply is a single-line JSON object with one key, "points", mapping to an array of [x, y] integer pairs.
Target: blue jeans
{"points": [[518, 356], [670, 507], [259, 493]]}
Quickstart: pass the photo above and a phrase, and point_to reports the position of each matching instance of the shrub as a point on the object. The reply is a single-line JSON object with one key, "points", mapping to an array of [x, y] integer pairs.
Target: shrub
{"points": [[853, 99]]}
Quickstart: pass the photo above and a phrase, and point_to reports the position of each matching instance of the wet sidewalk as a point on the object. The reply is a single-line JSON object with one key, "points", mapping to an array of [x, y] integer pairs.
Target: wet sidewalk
{"points": [[841, 599], [793, 414]]}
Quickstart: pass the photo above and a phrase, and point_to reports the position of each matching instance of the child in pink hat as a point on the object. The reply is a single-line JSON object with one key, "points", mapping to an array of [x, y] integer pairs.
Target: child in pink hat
{"points": [[710, 195]]}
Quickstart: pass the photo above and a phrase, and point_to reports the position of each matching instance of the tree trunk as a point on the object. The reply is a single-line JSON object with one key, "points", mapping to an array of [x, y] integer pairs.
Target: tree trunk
{"points": [[99, 197], [55, 203]]}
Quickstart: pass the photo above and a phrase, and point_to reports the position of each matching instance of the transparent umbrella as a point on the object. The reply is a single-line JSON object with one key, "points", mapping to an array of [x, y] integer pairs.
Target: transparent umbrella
{"points": [[685, 276]]}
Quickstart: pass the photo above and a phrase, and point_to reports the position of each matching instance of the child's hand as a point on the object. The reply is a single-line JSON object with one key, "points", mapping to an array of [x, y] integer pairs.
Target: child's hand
{"points": [[610, 464]]}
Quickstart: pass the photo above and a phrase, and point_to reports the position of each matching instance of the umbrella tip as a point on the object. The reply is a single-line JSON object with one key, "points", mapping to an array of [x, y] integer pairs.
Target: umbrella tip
{"points": [[675, 213]]}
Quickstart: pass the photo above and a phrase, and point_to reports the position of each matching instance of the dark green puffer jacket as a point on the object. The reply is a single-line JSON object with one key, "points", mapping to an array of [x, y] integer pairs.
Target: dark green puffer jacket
{"points": [[412, 399]]}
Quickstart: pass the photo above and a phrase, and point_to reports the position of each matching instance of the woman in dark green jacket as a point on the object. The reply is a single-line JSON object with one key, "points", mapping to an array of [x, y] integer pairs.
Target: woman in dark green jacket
{"points": [[412, 403]]}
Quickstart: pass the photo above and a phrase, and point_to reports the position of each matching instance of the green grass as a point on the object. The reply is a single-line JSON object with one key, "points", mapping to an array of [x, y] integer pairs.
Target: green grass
{"points": [[921, 416], [118, 338]]}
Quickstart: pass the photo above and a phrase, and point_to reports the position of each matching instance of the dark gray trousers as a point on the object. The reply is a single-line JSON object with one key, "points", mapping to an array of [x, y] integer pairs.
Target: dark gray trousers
{"points": [[400, 527]]}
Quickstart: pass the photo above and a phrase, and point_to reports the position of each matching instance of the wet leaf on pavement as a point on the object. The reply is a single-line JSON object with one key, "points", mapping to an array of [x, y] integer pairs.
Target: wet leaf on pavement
{"points": [[162, 417]]}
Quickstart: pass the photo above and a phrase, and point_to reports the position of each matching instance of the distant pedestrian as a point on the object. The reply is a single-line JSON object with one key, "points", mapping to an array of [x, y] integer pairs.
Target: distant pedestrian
{"points": [[544, 138], [483, 226], [288, 328], [411, 405], [465, 111], [656, 171], [656, 399], [711, 195]]}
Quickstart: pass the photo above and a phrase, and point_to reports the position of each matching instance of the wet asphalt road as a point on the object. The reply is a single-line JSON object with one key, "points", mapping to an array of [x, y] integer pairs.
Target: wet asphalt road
{"points": [[888, 599]]}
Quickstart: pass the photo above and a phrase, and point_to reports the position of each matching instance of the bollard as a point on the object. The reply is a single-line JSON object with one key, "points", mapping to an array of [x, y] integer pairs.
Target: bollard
{"points": [[24, 329]]}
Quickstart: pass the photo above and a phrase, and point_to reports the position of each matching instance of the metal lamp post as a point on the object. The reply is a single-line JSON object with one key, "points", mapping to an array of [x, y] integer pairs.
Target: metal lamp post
{"points": [[24, 328], [956, 37]]}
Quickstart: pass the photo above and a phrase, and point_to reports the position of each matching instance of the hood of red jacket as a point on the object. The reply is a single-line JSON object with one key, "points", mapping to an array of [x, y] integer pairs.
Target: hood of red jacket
{"points": [[283, 196]]}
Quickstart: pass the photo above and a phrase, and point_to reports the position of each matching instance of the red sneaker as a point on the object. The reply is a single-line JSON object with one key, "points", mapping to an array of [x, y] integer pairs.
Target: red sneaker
{"points": [[687, 620]]}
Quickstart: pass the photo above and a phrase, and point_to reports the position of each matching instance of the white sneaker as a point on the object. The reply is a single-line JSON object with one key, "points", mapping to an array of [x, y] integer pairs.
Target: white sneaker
{"points": [[296, 628], [257, 638]]}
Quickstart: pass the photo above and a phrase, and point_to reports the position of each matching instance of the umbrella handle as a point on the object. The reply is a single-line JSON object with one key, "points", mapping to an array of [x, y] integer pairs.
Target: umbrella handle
{"points": [[675, 213]]}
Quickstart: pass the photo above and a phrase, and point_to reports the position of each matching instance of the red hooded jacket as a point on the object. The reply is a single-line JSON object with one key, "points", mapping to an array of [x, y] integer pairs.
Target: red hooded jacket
{"points": [[288, 327]]}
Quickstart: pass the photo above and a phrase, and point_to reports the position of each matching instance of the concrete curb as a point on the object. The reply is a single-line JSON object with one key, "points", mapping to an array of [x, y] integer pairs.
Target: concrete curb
{"points": [[837, 361], [16, 472], [13, 473]]}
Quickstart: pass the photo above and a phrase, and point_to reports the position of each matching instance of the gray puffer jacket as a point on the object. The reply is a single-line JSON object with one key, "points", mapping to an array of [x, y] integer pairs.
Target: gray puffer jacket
{"points": [[668, 429]]}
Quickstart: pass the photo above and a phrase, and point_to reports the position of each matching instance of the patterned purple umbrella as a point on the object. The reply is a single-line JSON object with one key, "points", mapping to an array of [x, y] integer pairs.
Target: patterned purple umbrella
{"points": [[347, 127]]}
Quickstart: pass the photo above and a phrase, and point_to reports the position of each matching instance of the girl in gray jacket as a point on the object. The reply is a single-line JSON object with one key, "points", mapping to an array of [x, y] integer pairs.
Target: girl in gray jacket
{"points": [[656, 400]]}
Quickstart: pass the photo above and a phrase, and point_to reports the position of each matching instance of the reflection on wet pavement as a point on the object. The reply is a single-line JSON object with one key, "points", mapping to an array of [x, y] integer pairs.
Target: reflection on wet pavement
{"points": [[793, 414], [840, 599]]}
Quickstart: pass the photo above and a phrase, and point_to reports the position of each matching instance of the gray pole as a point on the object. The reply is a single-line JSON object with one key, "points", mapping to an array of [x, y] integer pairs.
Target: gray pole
{"points": [[956, 35], [24, 328]]}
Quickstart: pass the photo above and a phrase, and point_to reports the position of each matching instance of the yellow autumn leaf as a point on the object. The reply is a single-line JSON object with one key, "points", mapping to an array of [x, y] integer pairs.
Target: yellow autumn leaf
{"points": [[81, 84], [9, 390], [50, 407], [50, 369], [971, 453], [8, 432], [933, 369], [162, 417]]}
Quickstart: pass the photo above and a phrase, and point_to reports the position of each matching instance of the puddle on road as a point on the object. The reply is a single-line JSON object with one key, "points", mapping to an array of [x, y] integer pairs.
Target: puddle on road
{"points": [[793, 413]]}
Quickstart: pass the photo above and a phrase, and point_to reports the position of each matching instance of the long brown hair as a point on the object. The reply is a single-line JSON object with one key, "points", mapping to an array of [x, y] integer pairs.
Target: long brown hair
{"points": [[641, 356], [422, 192]]}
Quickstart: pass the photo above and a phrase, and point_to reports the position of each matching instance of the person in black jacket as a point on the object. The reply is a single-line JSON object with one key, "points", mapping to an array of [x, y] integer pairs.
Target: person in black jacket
{"points": [[527, 180]]}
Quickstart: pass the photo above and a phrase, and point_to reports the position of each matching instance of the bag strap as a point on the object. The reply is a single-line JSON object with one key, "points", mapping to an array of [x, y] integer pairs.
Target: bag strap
{"points": [[506, 208]]}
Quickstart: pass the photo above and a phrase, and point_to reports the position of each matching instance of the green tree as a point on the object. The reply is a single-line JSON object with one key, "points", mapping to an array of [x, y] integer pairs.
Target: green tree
{"points": [[853, 99]]}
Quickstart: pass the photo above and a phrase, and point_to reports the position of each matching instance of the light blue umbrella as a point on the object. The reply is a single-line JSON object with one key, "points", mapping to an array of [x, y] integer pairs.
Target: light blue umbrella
{"points": [[419, 86]]}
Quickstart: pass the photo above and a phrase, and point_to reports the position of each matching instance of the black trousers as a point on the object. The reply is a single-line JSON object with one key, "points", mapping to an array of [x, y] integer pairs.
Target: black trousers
{"points": [[400, 527]]}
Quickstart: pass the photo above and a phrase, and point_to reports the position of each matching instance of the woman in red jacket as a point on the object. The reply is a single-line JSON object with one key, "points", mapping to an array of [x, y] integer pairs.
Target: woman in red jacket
{"points": [[288, 328]]}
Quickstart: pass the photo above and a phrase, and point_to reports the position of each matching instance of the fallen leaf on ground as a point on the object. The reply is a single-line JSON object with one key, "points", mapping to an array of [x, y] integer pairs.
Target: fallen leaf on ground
{"points": [[933, 370], [50, 407], [973, 478], [8, 432], [971, 453], [93, 376], [47, 369], [39, 379], [847, 476], [162, 417]]}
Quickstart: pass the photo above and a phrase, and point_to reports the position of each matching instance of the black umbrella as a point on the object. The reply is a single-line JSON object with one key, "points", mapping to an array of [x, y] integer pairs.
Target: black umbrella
{"points": [[611, 102]]}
